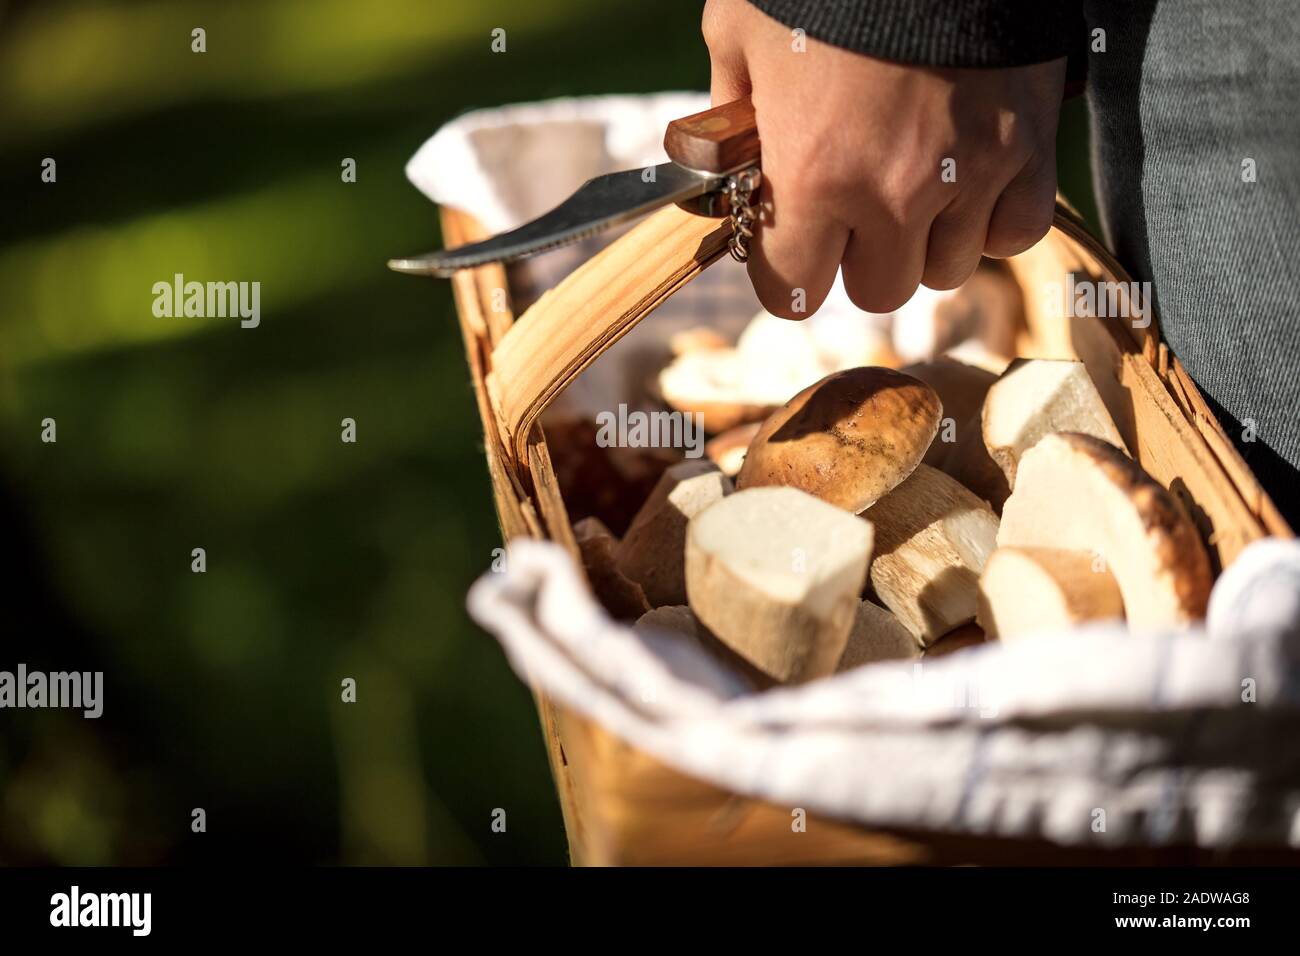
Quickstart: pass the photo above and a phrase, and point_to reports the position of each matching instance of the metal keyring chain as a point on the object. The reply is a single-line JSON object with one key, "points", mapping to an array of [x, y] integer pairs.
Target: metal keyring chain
{"points": [[744, 211]]}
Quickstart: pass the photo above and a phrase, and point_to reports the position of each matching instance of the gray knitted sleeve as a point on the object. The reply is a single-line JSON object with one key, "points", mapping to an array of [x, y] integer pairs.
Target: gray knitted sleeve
{"points": [[953, 33]]}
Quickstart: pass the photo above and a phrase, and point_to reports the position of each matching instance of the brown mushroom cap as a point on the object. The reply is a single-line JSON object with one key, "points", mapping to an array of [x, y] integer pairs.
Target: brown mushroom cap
{"points": [[848, 439]]}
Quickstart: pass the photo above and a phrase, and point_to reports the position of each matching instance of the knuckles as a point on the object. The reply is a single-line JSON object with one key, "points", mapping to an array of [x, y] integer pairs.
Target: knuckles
{"points": [[894, 190], [1015, 143]]}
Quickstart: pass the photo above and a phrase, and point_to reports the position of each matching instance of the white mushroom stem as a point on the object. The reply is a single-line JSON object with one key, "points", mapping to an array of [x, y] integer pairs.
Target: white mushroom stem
{"points": [[1036, 397], [932, 539], [775, 574]]}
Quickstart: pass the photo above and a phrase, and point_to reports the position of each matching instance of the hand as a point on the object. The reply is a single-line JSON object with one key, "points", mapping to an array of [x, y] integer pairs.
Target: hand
{"points": [[855, 152]]}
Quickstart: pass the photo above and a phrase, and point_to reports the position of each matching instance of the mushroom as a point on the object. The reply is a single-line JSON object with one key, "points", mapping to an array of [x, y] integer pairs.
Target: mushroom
{"points": [[968, 635], [961, 389], [986, 310], [775, 574], [621, 596], [847, 439], [849, 338], [674, 618], [877, 635], [773, 359], [1025, 591], [713, 383], [968, 461], [1036, 397], [681, 620], [1078, 492], [652, 550], [932, 539]]}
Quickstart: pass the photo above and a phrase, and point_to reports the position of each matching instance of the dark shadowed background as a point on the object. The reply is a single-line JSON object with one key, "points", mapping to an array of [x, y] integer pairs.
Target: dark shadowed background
{"points": [[325, 560]]}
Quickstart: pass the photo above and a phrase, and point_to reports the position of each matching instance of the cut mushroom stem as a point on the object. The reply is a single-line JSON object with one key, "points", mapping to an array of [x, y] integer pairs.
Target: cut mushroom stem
{"points": [[1036, 397], [932, 539], [775, 574]]}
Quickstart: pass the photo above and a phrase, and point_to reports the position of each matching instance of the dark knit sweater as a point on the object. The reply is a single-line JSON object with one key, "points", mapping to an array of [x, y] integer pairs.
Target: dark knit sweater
{"points": [[978, 33]]}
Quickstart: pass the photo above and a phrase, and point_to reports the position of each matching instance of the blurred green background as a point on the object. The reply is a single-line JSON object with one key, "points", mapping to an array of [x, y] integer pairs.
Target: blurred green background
{"points": [[325, 560]]}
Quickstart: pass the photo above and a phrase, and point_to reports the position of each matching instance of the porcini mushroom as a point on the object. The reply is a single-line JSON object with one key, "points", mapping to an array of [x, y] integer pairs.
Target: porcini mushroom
{"points": [[620, 595], [652, 550], [961, 389], [932, 539], [775, 574], [1078, 492], [877, 635], [968, 461], [1036, 397], [847, 439], [728, 450]]}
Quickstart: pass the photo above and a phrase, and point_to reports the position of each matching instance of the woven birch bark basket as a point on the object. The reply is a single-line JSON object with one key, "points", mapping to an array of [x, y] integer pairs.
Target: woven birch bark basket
{"points": [[531, 332]]}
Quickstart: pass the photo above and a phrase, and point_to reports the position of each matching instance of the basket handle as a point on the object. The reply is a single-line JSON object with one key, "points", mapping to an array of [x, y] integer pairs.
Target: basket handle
{"points": [[598, 303]]}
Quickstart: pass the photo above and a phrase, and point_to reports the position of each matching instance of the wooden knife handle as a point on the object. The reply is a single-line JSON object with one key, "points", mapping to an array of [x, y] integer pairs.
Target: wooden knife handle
{"points": [[715, 141]]}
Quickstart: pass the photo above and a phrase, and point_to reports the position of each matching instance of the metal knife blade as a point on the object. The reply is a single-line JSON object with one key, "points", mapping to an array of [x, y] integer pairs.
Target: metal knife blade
{"points": [[598, 204]]}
